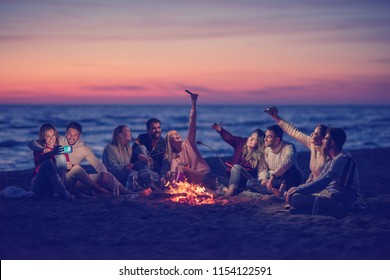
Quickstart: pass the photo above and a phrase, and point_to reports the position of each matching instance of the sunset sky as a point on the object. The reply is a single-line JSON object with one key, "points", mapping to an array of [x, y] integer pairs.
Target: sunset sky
{"points": [[247, 51]]}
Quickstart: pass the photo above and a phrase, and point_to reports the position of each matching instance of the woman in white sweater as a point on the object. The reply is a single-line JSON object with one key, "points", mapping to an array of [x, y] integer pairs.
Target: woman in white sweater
{"points": [[313, 142]]}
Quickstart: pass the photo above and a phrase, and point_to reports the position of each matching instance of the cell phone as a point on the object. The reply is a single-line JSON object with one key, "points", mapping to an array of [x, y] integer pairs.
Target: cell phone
{"points": [[270, 110], [67, 149]]}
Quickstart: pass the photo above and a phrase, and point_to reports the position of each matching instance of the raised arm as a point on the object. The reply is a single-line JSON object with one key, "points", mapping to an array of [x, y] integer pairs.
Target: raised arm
{"points": [[289, 129], [226, 135]]}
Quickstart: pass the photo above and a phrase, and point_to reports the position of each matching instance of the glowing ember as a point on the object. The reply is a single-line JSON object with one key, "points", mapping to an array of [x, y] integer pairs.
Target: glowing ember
{"points": [[192, 194]]}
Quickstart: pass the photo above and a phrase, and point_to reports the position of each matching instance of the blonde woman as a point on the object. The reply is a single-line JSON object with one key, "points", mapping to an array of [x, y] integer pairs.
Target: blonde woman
{"points": [[247, 159], [117, 156], [183, 156]]}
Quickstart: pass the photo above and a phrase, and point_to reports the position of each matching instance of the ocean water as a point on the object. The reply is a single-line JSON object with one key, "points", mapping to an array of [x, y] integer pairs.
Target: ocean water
{"points": [[366, 126]]}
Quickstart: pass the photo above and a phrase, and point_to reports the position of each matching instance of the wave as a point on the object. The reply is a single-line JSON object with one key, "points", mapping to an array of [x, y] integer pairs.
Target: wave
{"points": [[11, 144], [366, 126]]}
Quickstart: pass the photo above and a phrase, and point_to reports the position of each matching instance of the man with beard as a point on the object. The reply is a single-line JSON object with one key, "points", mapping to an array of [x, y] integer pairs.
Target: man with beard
{"points": [[337, 187], [76, 177], [282, 170], [149, 152]]}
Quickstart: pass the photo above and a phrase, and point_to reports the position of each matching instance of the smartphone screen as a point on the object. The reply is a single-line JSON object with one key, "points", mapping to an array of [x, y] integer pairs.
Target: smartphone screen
{"points": [[67, 149]]}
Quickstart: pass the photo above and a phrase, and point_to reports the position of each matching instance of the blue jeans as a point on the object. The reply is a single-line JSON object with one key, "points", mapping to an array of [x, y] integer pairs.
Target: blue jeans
{"points": [[145, 174], [239, 176], [48, 181]]}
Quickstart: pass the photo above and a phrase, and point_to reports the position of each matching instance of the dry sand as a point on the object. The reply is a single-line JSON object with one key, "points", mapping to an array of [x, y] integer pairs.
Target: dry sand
{"points": [[239, 228]]}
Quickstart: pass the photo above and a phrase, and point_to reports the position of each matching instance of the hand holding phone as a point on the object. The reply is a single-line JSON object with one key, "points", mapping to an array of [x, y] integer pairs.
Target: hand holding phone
{"points": [[57, 150]]}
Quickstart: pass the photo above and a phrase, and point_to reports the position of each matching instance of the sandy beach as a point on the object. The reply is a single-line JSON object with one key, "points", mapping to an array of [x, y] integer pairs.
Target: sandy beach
{"points": [[154, 228]]}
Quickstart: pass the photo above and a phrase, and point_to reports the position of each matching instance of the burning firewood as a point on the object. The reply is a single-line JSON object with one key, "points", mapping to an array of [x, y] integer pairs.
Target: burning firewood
{"points": [[192, 194]]}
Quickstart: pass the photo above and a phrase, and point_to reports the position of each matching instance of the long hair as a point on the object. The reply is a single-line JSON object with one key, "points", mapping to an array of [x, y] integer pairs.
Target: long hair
{"points": [[254, 156], [123, 150], [42, 130], [323, 129], [170, 153]]}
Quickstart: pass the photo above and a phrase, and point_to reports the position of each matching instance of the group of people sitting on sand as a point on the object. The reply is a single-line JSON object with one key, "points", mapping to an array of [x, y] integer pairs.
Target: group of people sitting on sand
{"points": [[262, 163]]}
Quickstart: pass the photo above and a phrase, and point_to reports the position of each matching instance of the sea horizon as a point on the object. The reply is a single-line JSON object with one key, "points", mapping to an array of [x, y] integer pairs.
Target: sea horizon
{"points": [[366, 125], [200, 104]]}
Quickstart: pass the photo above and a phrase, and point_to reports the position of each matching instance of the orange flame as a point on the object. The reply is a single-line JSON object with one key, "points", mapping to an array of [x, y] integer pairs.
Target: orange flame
{"points": [[192, 194]]}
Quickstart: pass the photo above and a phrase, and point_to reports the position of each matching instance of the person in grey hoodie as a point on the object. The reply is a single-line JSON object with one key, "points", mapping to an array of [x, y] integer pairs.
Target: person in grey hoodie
{"points": [[76, 176], [337, 188]]}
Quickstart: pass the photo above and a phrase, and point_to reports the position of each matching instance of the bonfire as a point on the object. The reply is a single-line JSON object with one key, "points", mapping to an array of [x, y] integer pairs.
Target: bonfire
{"points": [[192, 194]]}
